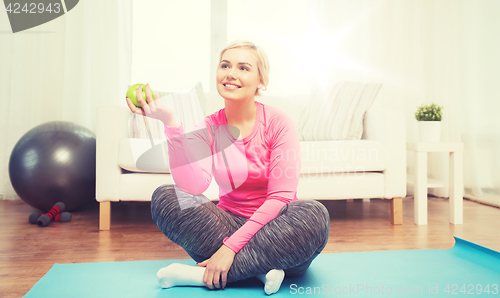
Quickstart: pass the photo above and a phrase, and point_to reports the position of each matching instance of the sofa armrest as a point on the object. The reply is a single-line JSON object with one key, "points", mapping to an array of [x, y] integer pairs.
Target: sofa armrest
{"points": [[388, 127], [112, 126]]}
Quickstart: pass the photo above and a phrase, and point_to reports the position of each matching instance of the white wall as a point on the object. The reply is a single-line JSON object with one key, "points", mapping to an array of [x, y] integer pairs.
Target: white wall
{"points": [[280, 28], [171, 44]]}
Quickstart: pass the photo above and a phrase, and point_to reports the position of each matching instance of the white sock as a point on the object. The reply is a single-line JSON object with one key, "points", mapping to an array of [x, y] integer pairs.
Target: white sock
{"points": [[177, 274], [272, 280]]}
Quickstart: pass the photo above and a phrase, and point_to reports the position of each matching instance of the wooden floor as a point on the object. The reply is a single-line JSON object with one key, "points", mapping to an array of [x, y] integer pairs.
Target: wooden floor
{"points": [[27, 251]]}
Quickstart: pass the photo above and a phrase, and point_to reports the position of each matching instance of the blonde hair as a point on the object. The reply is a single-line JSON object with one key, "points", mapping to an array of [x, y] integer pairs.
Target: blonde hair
{"points": [[262, 61]]}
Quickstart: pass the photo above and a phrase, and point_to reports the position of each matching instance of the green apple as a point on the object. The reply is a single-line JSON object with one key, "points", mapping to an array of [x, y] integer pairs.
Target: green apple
{"points": [[132, 92]]}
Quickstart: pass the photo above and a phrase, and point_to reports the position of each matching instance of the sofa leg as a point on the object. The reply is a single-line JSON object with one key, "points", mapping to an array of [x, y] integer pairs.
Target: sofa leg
{"points": [[397, 211], [105, 216]]}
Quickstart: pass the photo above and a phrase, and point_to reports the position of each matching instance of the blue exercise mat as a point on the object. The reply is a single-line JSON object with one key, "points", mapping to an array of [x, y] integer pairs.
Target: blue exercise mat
{"points": [[464, 269]]}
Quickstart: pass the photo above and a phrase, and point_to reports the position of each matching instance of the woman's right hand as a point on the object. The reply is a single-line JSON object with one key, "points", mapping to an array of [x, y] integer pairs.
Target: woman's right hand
{"points": [[153, 109]]}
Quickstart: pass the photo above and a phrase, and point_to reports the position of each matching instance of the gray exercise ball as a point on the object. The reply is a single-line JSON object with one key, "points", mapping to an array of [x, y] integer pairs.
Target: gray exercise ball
{"points": [[55, 162]]}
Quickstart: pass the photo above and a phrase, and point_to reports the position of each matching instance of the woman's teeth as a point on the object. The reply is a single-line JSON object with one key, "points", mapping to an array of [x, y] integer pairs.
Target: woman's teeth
{"points": [[231, 86]]}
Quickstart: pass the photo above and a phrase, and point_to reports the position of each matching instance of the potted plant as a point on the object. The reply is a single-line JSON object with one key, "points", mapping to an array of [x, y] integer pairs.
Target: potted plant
{"points": [[429, 122]]}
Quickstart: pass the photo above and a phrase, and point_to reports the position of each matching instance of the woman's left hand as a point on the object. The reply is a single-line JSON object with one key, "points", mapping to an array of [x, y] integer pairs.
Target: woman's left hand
{"points": [[216, 267]]}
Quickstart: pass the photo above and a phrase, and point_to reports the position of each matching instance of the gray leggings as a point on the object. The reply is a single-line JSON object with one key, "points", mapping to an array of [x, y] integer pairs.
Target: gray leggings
{"points": [[290, 241]]}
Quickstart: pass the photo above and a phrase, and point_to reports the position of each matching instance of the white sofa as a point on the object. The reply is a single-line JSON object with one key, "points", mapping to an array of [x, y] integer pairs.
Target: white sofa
{"points": [[373, 167]]}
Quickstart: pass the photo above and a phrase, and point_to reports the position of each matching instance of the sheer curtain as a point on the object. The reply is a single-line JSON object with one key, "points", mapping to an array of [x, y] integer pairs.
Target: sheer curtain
{"points": [[480, 99], [461, 70], [61, 71]]}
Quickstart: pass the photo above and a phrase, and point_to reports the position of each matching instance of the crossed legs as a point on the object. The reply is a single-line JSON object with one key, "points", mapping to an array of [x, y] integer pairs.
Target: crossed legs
{"points": [[290, 242]]}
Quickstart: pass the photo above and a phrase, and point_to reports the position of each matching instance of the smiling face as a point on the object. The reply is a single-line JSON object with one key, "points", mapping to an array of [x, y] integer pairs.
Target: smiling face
{"points": [[237, 74]]}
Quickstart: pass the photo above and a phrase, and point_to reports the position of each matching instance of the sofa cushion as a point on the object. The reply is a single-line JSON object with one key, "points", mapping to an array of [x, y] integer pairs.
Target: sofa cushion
{"points": [[214, 102], [290, 105], [317, 156], [188, 104], [153, 159], [337, 112], [134, 186], [342, 156], [328, 186]]}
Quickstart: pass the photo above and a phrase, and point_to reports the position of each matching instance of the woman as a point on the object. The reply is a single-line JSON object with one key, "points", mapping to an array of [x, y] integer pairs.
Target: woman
{"points": [[259, 228]]}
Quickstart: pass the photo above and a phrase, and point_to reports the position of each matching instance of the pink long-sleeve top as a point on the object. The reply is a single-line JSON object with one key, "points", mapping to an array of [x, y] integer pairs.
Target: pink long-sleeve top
{"points": [[257, 175]]}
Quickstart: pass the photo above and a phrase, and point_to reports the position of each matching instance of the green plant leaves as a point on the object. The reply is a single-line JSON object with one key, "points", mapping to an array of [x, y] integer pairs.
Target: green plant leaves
{"points": [[430, 112]]}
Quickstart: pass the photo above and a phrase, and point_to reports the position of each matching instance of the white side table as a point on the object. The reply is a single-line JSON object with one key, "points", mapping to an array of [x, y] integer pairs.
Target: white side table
{"points": [[421, 183]]}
